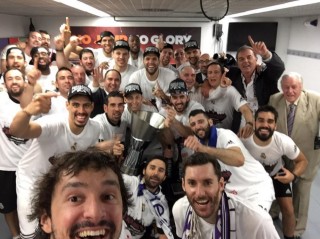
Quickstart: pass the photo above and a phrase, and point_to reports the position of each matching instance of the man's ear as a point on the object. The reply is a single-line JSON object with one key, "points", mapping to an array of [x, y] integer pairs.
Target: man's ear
{"points": [[45, 222], [221, 184], [210, 122], [183, 185]]}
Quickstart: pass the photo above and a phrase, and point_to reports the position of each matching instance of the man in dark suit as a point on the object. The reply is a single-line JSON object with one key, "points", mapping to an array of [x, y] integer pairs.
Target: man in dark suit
{"points": [[203, 62], [256, 83], [302, 125]]}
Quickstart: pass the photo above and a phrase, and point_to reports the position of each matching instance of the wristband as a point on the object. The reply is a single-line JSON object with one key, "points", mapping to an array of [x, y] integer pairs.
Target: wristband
{"points": [[59, 50]]}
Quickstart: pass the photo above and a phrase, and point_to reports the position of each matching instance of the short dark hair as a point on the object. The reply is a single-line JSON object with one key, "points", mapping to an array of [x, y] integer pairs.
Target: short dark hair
{"points": [[217, 64], [244, 47], [85, 50], [198, 159], [154, 157], [63, 68], [267, 108], [44, 32], [196, 112], [105, 75], [113, 94], [5, 74], [71, 163]]}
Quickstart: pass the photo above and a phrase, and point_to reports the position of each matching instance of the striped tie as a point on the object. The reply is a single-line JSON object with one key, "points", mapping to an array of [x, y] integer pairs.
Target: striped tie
{"points": [[290, 118]]}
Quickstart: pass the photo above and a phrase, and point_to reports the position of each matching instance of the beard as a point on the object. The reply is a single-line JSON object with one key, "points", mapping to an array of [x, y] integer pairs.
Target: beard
{"points": [[15, 93], [43, 67], [206, 131], [263, 137]]}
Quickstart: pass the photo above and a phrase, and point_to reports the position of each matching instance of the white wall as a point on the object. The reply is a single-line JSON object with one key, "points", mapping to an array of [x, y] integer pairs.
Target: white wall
{"points": [[13, 26], [292, 34], [306, 39]]}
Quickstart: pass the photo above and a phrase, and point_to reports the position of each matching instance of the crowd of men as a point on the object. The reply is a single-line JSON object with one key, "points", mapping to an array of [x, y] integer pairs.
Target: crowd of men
{"points": [[232, 153]]}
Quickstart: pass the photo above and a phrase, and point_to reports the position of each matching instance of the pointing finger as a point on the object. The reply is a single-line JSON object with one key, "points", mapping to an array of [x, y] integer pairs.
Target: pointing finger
{"points": [[67, 24], [251, 41], [36, 62]]}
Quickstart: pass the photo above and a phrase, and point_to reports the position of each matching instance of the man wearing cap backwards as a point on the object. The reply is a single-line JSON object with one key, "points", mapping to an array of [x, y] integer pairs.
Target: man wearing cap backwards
{"points": [[166, 54], [51, 135], [103, 55], [192, 51], [136, 54], [120, 56], [153, 80], [47, 79]]}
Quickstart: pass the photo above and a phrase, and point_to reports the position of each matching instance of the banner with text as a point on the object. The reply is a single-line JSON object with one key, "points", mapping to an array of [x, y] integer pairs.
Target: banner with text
{"points": [[148, 35]]}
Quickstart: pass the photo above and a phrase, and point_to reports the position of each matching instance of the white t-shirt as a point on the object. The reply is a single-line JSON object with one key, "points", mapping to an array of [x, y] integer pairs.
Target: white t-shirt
{"points": [[251, 221], [270, 156], [100, 57], [165, 76], [138, 63], [56, 138], [249, 181], [223, 107], [11, 148], [47, 82], [108, 130], [125, 76]]}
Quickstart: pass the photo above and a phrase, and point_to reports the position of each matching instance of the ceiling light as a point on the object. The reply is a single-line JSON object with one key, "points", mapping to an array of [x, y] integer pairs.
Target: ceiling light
{"points": [[275, 7], [83, 7]]}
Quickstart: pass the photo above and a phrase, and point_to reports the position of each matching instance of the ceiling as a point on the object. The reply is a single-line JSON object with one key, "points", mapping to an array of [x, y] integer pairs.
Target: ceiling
{"points": [[150, 8]]}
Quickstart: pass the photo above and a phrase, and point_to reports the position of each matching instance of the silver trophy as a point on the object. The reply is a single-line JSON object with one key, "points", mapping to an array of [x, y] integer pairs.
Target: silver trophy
{"points": [[144, 127]]}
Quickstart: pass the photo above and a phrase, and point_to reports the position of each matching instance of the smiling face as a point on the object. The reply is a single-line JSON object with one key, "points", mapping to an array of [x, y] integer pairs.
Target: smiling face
{"points": [[151, 63], [154, 174], [114, 109], [64, 81], [166, 56], [193, 56], [134, 101], [121, 57], [247, 62], [134, 43], [265, 125], [16, 60], [112, 81], [87, 61], [107, 44], [200, 125], [203, 190], [179, 102], [291, 88], [188, 75], [34, 39], [80, 108], [44, 59], [88, 203], [214, 75], [14, 82]]}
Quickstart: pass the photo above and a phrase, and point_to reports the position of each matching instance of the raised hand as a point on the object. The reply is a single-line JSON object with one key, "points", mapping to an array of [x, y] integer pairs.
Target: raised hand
{"points": [[41, 103], [225, 81], [34, 74], [259, 48]]}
